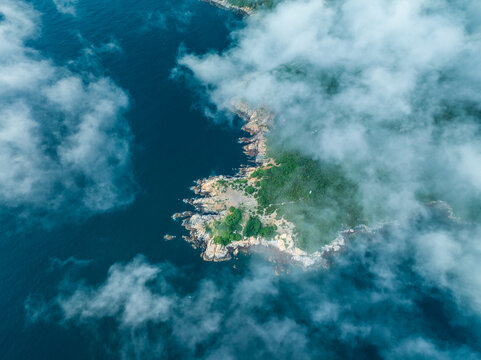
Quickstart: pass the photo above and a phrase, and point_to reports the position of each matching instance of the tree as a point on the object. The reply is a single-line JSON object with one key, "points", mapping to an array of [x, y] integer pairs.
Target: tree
{"points": [[268, 231], [233, 218], [250, 189], [252, 227]]}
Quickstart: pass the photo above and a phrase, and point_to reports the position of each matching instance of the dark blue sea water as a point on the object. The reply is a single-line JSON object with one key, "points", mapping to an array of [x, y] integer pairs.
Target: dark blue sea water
{"points": [[174, 144], [348, 312]]}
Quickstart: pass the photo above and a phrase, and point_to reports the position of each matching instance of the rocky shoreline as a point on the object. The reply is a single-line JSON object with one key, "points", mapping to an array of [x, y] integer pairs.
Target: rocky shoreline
{"points": [[214, 198], [216, 194], [225, 4]]}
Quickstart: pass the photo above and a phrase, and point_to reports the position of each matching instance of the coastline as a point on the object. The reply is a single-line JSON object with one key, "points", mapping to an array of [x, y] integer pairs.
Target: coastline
{"points": [[214, 199], [216, 194], [224, 4]]}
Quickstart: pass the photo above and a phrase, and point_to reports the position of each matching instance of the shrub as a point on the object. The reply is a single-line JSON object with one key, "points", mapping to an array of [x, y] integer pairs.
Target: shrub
{"points": [[258, 173], [250, 189], [268, 231], [233, 219], [252, 227], [226, 231]]}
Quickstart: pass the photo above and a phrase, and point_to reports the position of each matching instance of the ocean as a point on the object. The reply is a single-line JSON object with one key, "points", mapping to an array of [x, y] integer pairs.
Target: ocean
{"points": [[174, 144], [374, 302]]}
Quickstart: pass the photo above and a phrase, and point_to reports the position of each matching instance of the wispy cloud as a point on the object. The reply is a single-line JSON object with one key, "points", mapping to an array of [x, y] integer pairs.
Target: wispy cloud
{"points": [[177, 18], [156, 20], [125, 294], [378, 299], [63, 139], [388, 90], [66, 6]]}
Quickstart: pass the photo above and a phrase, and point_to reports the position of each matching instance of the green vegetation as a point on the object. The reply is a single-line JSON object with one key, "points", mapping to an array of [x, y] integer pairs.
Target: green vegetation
{"points": [[208, 229], [268, 231], [252, 227], [250, 189], [252, 3], [233, 219], [237, 184], [258, 173], [229, 229], [317, 197]]}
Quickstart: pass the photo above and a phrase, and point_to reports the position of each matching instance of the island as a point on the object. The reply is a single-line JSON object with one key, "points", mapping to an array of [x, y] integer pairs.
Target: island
{"points": [[292, 208], [259, 207]]}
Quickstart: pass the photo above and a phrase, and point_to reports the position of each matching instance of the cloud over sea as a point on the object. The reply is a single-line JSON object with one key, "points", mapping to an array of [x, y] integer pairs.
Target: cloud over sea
{"points": [[64, 141]]}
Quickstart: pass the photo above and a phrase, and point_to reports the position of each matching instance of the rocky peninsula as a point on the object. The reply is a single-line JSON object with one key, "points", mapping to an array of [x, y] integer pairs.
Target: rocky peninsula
{"points": [[227, 206], [229, 214], [249, 211]]}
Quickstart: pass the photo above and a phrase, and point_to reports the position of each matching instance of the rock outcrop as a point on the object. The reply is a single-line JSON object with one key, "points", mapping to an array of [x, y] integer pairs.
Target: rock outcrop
{"points": [[226, 4]]}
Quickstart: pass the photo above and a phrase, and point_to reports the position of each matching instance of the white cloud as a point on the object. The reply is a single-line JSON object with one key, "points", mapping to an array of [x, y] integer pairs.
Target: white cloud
{"points": [[451, 261], [390, 91], [173, 18], [63, 139], [419, 348], [396, 65], [125, 293], [156, 20], [373, 297], [66, 6], [365, 86]]}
